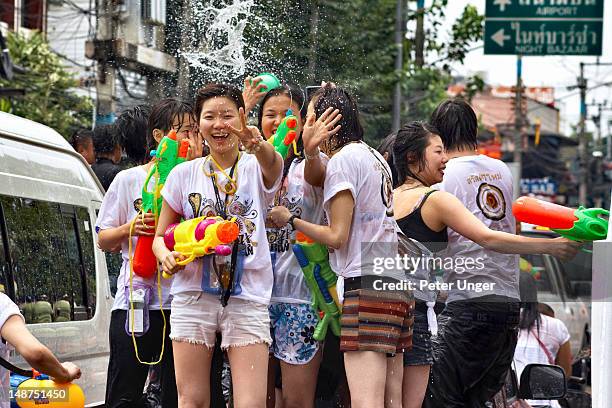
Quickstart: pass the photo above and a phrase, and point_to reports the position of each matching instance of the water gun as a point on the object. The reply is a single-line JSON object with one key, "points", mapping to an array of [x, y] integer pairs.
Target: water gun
{"points": [[201, 236], [31, 389], [583, 224], [169, 153], [321, 280], [285, 135]]}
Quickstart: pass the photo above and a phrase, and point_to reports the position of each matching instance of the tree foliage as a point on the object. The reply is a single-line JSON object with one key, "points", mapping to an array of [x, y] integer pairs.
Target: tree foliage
{"points": [[50, 98]]}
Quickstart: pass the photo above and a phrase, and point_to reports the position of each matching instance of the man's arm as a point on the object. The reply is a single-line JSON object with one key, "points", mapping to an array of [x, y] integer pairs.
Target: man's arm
{"points": [[35, 353]]}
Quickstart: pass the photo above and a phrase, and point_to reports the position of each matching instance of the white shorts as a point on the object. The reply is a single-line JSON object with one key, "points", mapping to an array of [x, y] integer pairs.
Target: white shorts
{"points": [[197, 316]]}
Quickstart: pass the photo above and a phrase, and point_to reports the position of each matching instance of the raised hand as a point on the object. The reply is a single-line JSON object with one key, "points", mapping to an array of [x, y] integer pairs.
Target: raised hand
{"points": [[316, 131], [249, 135], [196, 145], [252, 92]]}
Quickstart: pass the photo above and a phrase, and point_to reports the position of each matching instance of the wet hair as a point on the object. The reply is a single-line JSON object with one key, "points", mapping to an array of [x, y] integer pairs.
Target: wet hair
{"points": [[132, 131], [457, 123], [81, 138], [295, 94], [162, 117], [338, 98], [105, 139], [546, 309], [386, 147], [213, 90], [530, 314], [409, 149]]}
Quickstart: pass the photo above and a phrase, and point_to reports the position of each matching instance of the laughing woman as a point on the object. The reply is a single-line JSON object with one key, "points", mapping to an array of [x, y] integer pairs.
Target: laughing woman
{"points": [[423, 213], [227, 183]]}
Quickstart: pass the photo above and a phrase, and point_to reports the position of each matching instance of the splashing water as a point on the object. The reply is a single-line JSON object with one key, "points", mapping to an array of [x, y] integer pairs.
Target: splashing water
{"points": [[220, 55]]}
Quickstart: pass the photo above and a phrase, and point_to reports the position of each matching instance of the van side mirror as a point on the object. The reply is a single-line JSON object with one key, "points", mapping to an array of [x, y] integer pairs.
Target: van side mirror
{"points": [[542, 382]]}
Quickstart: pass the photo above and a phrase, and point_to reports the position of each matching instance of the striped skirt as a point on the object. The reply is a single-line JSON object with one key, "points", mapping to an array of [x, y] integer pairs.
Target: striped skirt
{"points": [[374, 320]]}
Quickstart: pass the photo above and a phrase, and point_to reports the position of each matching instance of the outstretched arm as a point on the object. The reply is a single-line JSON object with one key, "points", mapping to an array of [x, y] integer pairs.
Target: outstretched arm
{"points": [[334, 235], [35, 353], [269, 160], [452, 212]]}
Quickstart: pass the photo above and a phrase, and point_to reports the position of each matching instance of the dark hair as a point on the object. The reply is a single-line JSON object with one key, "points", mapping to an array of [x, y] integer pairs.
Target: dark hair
{"points": [[338, 98], [81, 137], [457, 123], [132, 131], [213, 90], [386, 147], [105, 139], [409, 149], [546, 309], [162, 117], [530, 313], [295, 94]]}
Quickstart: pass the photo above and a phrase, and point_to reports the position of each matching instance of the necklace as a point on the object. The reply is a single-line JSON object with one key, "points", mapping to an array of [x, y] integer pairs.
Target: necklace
{"points": [[406, 188], [231, 186]]}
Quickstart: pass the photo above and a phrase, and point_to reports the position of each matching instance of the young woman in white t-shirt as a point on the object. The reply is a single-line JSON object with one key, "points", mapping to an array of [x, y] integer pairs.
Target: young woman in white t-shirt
{"points": [[292, 317], [122, 202], [231, 184], [358, 204]]}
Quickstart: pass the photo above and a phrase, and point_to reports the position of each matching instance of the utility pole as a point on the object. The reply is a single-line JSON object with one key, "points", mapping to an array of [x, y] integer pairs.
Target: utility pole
{"points": [[582, 143], [399, 45], [518, 117], [106, 92], [184, 80], [419, 40]]}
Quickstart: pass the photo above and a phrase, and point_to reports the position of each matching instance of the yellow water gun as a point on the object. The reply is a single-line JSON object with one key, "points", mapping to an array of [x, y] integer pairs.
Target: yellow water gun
{"points": [[201, 236]]}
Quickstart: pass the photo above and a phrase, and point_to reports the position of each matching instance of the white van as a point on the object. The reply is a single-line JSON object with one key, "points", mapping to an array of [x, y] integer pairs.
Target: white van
{"points": [[49, 262]]}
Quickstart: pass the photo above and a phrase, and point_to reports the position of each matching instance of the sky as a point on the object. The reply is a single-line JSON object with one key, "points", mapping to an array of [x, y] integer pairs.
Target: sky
{"points": [[555, 71]]}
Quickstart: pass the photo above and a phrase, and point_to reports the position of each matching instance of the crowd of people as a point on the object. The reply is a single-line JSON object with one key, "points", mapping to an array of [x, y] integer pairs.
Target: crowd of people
{"points": [[426, 183]]}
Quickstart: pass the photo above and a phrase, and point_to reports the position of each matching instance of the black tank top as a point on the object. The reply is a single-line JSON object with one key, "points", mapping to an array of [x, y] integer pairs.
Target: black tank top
{"points": [[413, 226]]}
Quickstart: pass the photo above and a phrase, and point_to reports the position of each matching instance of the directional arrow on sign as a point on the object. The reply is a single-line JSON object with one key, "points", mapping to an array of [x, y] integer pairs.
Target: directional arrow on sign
{"points": [[502, 4], [499, 37]]}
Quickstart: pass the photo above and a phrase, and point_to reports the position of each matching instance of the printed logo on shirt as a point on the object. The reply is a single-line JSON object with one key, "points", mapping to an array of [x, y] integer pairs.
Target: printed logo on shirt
{"points": [[242, 209], [491, 202], [138, 204]]}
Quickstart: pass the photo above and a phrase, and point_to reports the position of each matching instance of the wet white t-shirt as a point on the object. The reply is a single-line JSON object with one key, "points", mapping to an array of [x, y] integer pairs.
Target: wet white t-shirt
{"points": [[7, 309], [121, 204], [190, 193], [305, 201], [552, 334], [484, 186], [366, 175]]}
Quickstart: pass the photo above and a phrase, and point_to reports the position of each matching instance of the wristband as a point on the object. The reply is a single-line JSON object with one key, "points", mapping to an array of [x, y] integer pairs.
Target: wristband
{"points": [[311, 157], [290, 221]]}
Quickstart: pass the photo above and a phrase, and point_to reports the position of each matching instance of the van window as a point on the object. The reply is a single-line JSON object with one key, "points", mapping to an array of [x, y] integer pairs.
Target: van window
{"points": [[52, 259], [113, 265]]}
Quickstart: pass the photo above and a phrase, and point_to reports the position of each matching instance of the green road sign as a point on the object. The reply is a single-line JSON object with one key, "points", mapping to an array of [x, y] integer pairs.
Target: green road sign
{"points": [[543, 37], [544, 27], [545, 8]]}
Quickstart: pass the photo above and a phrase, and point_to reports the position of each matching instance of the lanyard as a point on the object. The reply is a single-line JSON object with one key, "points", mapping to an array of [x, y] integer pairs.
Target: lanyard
{"points": [[222, 211]]}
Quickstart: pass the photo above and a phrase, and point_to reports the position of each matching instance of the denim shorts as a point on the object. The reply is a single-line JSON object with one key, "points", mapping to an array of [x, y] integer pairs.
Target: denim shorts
{"points": [[292, 329], [421, 353]]}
